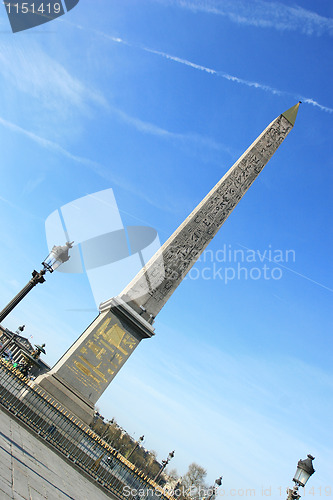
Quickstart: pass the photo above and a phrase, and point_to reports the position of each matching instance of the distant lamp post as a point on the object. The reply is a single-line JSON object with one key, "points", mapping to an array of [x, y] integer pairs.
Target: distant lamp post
{"points": [[164, 464], [141, 438], [303, 472], [217, 483], [57, 256]]}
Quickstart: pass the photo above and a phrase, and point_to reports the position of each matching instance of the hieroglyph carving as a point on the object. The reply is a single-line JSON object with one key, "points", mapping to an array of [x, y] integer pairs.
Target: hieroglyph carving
{"points": [[184, 247]]}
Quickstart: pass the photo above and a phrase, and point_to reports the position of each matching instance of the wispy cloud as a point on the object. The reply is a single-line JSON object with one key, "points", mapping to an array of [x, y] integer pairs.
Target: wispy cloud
{"points": [[101, 170], [47, 144], [140, 125], [32, 71], [54, 147], [261, 14], [33, 183], [9, 203], [189, 137], [17, 208]]}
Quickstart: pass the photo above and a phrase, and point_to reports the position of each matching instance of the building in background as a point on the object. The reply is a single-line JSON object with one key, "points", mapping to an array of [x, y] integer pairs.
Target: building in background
{"points": [[18, 345]]}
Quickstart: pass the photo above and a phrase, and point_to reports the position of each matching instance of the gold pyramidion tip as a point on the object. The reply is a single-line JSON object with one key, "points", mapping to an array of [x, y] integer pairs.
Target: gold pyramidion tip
{"points": [[291, 113]]}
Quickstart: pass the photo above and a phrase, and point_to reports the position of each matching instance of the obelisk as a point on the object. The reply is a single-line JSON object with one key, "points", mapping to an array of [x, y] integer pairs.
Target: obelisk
{"points": [[84, 372]]}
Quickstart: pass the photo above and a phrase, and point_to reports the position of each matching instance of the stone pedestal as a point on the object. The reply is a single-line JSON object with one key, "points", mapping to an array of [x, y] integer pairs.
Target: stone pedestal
{"points": [[80, 377]]}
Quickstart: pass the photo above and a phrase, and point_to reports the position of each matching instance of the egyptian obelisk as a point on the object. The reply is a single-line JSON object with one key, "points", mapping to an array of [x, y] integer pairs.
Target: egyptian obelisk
{"points": [[84, 372]]}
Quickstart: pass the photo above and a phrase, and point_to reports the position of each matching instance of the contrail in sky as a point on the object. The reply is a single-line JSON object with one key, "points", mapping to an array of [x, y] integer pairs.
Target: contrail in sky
{"points": [[291, 270], [221, 74]]}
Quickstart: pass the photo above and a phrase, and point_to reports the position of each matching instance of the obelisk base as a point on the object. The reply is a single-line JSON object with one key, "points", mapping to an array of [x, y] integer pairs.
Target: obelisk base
{"points": [[67, 396], [80, 377]]}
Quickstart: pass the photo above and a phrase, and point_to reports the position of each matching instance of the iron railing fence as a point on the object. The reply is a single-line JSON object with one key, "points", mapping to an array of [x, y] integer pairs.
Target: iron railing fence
{"points": [[75, 440]]}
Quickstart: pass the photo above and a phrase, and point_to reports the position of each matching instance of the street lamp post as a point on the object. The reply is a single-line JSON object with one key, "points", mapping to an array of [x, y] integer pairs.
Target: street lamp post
{"points": [[141, 438], [217, 483], [164, 464], [57, 256], [303, 472]]}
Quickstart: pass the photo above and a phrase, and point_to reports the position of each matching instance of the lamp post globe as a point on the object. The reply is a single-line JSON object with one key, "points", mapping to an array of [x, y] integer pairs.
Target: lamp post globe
{"points": [[164, 464], [304, 471], [57, 256], [140, 440], [218, 483]]}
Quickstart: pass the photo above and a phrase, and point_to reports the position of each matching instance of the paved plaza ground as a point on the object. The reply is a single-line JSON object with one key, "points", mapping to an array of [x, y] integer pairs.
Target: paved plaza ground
{"points": [[30, 470]]}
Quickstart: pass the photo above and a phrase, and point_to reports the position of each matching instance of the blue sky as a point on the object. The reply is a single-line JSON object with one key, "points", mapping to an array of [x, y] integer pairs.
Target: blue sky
{"points": [[156, 100]]}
